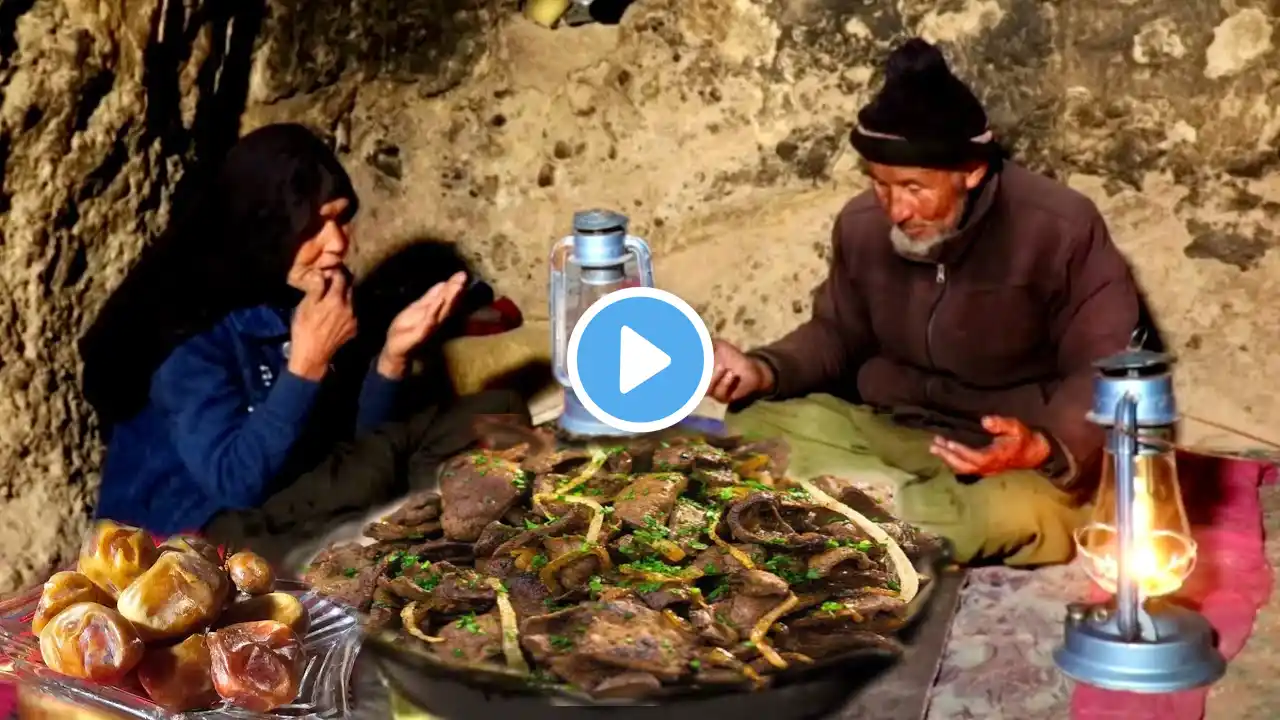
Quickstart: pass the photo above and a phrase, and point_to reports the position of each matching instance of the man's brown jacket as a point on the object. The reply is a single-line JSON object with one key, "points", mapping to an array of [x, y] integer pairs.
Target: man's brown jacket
{"points": [[1005, 319]]}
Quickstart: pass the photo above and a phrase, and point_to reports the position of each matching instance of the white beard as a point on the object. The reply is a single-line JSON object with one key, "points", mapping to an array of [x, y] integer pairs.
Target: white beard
{"points": [[909, 247], [921, 248]]}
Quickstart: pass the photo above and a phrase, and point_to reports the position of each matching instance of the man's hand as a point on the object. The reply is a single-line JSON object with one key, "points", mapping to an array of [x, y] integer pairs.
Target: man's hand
{"points": [[416, 323], [738, 375], [1015, 447]]}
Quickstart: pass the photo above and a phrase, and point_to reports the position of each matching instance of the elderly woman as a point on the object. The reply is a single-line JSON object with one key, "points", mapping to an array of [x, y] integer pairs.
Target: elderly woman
{"points": [[244, 407]]}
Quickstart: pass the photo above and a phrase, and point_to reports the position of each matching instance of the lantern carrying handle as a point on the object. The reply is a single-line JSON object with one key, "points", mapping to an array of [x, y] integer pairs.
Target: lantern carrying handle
{"points": [[559, 331], [1124, 445], [644, 258]]}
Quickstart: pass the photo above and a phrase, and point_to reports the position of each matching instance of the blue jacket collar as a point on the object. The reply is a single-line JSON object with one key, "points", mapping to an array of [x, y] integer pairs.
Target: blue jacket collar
{"points": [[262, 321]]}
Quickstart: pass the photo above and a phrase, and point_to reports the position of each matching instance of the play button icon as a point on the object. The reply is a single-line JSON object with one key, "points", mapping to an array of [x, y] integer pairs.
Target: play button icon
{"points": [[640, 360]]}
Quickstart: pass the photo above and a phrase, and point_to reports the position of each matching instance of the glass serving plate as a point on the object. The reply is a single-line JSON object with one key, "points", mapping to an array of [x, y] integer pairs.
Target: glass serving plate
{"points": [[331, 644]]}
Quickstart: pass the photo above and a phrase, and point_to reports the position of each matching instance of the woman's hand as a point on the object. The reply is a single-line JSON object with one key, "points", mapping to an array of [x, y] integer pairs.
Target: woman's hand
{"points": [[323, 323], [416, 323], [1015, 447]]}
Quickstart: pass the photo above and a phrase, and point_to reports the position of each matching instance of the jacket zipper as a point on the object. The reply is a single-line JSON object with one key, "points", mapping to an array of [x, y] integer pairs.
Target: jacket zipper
{"points": [[941, 279]]}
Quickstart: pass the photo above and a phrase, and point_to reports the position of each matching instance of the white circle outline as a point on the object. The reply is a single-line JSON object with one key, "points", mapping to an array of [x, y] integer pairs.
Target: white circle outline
{"points": [[704, 337]]}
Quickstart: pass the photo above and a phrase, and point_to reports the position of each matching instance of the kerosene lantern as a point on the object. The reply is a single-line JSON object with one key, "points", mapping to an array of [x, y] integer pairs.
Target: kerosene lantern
{"points": [[1138, 545], [597, 259]]}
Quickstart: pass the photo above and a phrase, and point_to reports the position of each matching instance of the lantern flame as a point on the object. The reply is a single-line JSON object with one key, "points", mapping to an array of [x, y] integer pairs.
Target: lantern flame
{"points": [[1164, 553]]}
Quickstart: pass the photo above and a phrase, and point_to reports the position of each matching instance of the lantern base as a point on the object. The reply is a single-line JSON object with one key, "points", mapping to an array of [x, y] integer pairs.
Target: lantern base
{"points": [[577, 422], [1174, 650]]}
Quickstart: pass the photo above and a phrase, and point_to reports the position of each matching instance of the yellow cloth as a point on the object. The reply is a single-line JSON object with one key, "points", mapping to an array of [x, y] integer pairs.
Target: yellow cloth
{"points": [[477, 363]]}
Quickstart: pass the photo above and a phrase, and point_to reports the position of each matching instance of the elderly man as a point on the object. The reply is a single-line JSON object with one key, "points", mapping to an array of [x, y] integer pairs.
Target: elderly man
{"points": [[966, 302]]}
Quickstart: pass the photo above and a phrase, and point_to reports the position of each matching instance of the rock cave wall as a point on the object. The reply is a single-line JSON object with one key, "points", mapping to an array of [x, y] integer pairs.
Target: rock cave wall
{"points": [[719, 126]]}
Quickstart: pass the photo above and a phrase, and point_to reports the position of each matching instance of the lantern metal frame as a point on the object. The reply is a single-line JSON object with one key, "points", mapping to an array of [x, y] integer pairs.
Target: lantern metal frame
{"points": [[601, 246], [1128, 643]]}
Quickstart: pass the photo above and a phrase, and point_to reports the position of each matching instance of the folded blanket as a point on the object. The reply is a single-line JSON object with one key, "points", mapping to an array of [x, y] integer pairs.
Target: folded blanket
{"points": [[8, 701], [1232, 580]]}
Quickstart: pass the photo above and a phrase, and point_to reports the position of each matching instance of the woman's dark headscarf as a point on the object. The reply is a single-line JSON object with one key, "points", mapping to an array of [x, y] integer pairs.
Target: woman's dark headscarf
{"points": [[232, 249], [264, 202]]}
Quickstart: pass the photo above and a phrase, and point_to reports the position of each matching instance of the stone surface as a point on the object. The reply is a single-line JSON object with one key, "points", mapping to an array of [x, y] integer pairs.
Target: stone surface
{"points": [[719, 126], [86, 179]]}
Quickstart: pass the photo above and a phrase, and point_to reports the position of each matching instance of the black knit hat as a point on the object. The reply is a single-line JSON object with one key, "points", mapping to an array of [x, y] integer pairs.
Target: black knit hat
{"points": [[923, 116]]}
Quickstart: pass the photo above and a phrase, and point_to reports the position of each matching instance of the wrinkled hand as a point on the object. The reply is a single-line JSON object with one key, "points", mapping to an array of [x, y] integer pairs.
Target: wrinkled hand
{"points": [[417, 322], [323, 323], [1015, 447], [737, 375]]}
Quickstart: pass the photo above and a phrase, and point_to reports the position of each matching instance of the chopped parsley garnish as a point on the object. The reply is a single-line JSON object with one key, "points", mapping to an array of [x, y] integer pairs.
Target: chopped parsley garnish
{"points": [[351, 572], [652, 531], [560, 642], [468, 622], [718, 591], [859, 545], [428, 583], [831, 607], [790, 569], [538, 562], [652, 566]]}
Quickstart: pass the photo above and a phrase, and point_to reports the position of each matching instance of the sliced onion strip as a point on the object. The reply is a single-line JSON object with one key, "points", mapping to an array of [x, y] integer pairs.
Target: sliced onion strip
{"points": [[908, 579], [761, 628], [549, 571], [407, 618], [667, 549], [510, 628], [676, 621], [597, 517], [598, 459], [524, 557], [751, 465], [743, 559]]}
